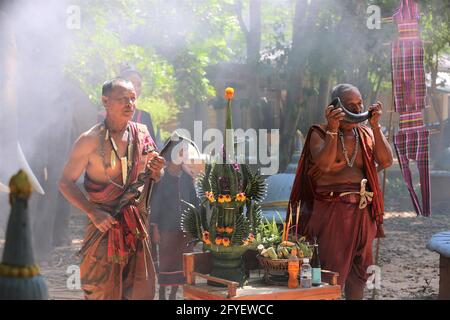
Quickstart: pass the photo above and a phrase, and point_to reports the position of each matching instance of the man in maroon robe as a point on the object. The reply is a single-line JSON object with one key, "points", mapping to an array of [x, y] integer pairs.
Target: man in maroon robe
{"points": [[118, 264], [337, 187]]}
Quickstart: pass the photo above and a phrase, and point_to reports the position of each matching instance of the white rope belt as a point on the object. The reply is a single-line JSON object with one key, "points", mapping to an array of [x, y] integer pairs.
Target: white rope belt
{"points": [[365, 196]]}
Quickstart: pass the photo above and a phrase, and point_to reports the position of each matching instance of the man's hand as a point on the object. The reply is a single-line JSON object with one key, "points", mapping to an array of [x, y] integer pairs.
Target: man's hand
{"points": [[155, 164], [334, 117], [101, 219], [376, 111]]}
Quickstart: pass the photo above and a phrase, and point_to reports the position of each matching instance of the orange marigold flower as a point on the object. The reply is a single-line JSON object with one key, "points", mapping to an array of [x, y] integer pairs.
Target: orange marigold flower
{"points": [[229, 230], [241, 197], [221, 198], [226, 242], [218, 240], [227, 198], [229, 93], [220, 229], [210, 196]]}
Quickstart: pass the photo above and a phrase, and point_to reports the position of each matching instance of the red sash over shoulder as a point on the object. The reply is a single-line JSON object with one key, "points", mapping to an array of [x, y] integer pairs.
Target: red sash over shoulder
{"points": [[131, 227], [303, 187]]}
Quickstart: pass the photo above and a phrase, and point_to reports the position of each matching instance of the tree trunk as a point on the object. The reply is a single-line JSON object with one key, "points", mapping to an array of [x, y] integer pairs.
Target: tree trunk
{"points": [[253, 57], [292, 112], [436, 105], [323, 99]]}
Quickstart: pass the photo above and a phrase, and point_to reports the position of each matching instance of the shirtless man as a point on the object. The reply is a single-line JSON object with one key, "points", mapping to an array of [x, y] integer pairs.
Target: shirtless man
{"points": [[337, 184], [112, 154]]}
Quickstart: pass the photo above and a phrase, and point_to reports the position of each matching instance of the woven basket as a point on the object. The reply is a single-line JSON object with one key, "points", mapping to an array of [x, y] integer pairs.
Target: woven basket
{"points": [[276, 265]]}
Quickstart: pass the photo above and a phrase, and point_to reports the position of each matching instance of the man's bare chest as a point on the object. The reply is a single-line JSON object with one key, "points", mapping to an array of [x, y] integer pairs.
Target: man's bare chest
{"points": [[108, 164], [349, 152]]}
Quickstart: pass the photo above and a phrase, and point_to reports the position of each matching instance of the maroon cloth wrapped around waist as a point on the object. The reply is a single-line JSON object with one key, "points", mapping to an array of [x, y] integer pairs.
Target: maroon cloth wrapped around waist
{"points": [[332, 193]]}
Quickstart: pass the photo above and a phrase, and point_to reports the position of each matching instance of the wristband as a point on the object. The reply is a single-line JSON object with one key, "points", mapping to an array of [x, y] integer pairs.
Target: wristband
{"points": [[331, 133]]}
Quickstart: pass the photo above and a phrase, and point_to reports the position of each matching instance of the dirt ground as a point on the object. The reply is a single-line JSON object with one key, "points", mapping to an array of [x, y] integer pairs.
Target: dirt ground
{"points": [[408, 269]]}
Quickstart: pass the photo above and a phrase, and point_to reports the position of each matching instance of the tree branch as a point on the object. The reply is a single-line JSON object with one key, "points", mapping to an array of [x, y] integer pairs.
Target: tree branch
{"points": [[238, 11]]}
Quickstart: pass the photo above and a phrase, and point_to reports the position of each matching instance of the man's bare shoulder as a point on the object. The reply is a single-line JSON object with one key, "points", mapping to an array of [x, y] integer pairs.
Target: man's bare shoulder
{"points": [[89, 139]]}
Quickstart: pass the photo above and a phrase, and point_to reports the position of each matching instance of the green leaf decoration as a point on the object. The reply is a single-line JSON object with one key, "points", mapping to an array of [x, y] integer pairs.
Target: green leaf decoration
{"points": [[257, 188], [254, 216], [203, 217], [241, 230], [191, 224], [247, 175], [214, 181]]}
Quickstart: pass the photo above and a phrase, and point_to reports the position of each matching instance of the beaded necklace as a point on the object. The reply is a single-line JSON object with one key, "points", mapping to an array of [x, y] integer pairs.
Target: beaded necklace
{"points": [[344, 149], [126, 162]]}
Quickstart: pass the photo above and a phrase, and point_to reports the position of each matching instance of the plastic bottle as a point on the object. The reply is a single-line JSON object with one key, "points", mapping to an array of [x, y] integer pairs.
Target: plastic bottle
{"points": [[293, 269], [306, 274]]}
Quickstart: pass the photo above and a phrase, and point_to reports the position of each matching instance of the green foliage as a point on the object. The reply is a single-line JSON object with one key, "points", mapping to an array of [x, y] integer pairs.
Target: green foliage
{"points": [[269, 233], [169, 42]]}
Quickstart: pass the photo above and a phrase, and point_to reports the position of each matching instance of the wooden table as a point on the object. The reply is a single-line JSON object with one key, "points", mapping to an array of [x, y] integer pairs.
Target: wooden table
{"points": [[197, 266]]}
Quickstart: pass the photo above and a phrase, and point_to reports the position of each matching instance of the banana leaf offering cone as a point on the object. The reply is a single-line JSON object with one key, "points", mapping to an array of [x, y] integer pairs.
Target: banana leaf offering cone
{"points": [[20, 278], [229, 212]]}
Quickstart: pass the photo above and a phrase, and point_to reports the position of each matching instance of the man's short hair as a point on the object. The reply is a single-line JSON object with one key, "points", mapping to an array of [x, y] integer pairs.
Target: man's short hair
{"points": [[109, 86], [341, 89]]}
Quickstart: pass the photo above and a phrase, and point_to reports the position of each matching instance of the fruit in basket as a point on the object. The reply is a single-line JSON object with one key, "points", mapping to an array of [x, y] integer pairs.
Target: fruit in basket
{"points": [[264, 253], [272, 254], [288, 244], [285, 252], [279, 254]]}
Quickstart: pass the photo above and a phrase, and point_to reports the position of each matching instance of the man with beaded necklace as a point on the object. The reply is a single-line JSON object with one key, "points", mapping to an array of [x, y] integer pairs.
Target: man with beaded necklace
{"points": [[118, 265], [338, 191]]}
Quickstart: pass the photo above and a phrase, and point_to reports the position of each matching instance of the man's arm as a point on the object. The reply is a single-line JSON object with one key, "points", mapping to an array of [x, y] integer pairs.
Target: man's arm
{"points": [[75, 166], [382, 149], [324, 152]]}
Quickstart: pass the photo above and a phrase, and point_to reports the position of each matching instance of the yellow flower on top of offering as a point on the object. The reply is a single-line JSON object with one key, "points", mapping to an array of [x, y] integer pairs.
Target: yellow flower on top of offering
{"points": [[241, 197], [227, 198], [229, 93]]}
